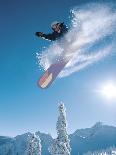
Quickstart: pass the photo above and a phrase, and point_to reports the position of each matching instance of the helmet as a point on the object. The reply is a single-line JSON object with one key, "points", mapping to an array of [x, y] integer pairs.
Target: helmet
{"points": [[54, 24]]}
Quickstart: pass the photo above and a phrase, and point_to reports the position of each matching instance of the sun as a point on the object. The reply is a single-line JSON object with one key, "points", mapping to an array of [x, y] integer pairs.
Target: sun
{"points": [[109, 90]]}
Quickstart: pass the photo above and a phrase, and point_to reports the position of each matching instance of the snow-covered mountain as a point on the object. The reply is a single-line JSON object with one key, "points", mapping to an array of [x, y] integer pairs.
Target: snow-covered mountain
{"points": [[18, 144], [46, 141], [92, 139], [95, 138]]}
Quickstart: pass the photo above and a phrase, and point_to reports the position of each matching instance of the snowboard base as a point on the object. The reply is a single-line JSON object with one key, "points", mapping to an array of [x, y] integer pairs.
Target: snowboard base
{"points": [[51, 73]]}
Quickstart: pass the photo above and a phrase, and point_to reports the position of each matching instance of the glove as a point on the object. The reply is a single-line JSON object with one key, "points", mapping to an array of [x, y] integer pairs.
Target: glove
{"points": [[39, 34]]}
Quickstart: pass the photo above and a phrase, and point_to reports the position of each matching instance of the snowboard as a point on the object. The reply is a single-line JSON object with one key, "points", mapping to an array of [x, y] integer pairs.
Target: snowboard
{"points": [[51, 73]]}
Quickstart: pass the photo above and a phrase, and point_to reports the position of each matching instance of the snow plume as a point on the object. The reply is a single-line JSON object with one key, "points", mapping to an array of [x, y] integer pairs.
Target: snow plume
{"points": [[91, 37]]}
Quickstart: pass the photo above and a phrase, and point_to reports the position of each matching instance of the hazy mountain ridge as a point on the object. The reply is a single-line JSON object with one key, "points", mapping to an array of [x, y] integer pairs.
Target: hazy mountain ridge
{"points": [[91, 139], [82, 140]]}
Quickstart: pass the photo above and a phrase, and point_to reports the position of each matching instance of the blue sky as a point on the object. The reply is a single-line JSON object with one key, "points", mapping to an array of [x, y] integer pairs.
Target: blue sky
{"points": [[25, 107]]}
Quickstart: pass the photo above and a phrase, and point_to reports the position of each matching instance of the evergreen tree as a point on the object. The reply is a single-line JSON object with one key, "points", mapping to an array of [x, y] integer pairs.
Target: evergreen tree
{"points": [[61, 144], [34, 146]]}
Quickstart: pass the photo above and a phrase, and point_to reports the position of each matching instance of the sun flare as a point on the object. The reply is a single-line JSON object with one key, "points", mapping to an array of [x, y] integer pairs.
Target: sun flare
{"points": [[109, 90]]}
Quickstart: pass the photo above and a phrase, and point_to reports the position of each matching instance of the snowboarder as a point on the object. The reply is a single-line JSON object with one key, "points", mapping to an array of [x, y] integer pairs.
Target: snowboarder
{"points": [[59, 29]]}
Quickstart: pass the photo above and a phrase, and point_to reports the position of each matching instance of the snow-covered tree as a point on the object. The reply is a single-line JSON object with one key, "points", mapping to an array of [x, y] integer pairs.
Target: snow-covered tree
{"points": [[61, 144], [34, 145]]}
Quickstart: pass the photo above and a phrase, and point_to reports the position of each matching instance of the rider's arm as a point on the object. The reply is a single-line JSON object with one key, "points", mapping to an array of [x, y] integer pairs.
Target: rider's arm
{"points": [[50, 36]]}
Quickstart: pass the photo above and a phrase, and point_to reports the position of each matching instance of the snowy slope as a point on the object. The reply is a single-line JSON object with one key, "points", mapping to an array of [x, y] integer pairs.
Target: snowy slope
{"points": [[92, 139], [18, 144], [95, 138], [46, 141], [4, 140]]}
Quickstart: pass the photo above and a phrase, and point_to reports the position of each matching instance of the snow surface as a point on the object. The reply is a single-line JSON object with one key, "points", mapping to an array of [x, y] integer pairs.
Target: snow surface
{"points": [[97, 138]]}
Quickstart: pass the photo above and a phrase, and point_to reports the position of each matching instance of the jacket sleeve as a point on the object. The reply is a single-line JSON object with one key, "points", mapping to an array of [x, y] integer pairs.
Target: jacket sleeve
{"points": [[50, 36]]}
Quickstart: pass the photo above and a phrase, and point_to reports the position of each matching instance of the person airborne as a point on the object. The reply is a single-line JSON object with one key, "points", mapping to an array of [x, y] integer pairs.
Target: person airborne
{"points": [[59, 29]]}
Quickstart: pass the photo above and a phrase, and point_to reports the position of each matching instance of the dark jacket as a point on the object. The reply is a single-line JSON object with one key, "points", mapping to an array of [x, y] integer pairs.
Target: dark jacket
{"points": [[54, 35]]}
